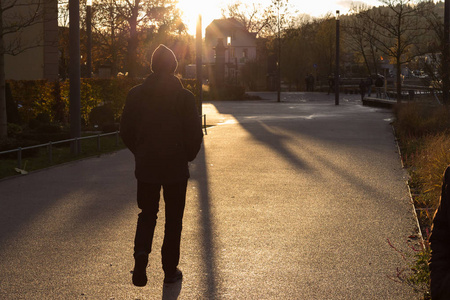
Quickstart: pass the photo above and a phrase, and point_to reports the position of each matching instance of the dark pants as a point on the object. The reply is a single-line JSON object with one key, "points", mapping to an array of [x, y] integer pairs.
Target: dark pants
{"points": [[148, 195], [440, 288]]}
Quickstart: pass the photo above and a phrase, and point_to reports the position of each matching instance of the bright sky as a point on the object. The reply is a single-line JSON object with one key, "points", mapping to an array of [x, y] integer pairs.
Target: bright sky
{"points": [[211, 9]]}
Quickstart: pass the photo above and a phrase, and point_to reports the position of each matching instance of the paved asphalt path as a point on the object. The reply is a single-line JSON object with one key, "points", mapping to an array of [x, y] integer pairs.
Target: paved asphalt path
{"points": [[291, 200]]}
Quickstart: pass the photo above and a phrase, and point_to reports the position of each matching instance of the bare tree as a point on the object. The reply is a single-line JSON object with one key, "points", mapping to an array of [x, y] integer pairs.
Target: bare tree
{"points": [[110, 34], [15, 17], [439, 51], [162, 14], [254, 17], [359, 37], [398, 32]]}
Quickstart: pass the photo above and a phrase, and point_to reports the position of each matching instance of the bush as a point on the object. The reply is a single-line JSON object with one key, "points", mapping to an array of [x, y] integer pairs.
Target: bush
{"points": [[416, 120], [424, 134], [229, 92], [49, 128], [14, 130], [191, 85], [52, 98], [430, 163], [424, 137], [14, 143], [101, 115], [110, 127]]}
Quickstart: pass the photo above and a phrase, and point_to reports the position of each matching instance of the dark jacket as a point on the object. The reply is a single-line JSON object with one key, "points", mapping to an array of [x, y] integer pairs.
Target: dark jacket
{"points": [[440, 244], [379, 82], [161, 126]]}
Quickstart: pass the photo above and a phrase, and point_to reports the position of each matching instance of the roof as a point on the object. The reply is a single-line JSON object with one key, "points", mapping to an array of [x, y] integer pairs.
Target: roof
{"points": [[224, 26]]}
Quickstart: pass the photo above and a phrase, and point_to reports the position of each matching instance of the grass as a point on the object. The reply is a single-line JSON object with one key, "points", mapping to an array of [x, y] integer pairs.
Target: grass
{"points": [[423, 132], [60, 154]]}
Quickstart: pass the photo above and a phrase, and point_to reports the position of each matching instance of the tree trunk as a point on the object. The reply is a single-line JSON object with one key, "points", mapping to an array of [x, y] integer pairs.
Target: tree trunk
{"points": [[399, 81], [3, 117], [446, 55], [132, 52], [374, 59], [133, 42]]}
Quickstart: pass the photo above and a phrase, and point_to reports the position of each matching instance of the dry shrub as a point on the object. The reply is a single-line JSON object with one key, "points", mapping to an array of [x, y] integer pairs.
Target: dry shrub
{"points": [[414, 120], [429, 166], [424, 137]]}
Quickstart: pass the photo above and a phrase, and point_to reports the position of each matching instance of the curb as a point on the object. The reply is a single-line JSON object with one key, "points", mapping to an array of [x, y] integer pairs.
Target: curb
{"points": [[409, 191], [376, 102]]}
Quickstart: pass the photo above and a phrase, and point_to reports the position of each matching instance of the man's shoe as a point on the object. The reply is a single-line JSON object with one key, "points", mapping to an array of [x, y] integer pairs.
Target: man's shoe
{"points": [[139, 272], [173, 277]]}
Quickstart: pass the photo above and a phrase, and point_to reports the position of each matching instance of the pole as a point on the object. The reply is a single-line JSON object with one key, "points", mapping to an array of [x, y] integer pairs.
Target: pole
{"points": [[279, 58], [446, 54], [199, 63], [74, 73], [89, 40], [336, 75]]}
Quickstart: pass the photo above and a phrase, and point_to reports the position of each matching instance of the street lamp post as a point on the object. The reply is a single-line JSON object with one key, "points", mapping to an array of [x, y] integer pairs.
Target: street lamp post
{"points": [[446, 54], [89, 38], [279, 58], [74, 73], [336, 75]]}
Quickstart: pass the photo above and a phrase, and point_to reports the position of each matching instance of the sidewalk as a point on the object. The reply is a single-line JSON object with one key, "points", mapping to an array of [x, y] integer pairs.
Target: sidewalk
{"points": [[291, 200]]}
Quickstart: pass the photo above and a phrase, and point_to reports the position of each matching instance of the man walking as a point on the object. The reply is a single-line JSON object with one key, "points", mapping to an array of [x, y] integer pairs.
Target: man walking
{"points": [[161, 127]]}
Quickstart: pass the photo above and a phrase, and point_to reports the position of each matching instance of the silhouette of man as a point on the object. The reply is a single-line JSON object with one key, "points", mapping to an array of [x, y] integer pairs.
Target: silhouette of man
{"points": [[161, 127], [440, 245]]}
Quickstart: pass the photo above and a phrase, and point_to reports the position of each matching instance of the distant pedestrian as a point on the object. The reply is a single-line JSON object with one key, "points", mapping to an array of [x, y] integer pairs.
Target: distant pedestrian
{"points": [[330, 83], [161, 127], [362, 89], [369, 83], [378, 85], [311, 82], [440, 245]]}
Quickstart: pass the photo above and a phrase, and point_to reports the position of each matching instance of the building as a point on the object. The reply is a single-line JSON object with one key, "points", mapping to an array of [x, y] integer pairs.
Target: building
{"points": [[35, 46], [240, 46]]}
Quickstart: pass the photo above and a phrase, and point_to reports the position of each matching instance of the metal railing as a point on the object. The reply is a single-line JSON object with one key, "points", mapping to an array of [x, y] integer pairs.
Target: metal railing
{"points": [[50, 145], [77, 144]]}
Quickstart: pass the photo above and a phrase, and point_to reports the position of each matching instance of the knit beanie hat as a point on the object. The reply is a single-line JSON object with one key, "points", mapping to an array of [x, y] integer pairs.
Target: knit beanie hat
{"points": [[163, 60]]}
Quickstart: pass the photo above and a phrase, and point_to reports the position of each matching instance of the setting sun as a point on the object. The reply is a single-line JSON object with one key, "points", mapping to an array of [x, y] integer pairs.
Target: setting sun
{"points": [[209, 10]]}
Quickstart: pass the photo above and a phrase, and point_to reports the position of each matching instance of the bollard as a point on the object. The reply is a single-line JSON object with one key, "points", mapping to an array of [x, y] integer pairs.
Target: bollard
{"points": [[19, 158], [50, 152], [411, 95]]}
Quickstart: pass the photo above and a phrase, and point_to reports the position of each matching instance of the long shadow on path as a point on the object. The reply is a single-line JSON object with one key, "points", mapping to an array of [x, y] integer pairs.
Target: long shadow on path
{"points": [[209, 278]]}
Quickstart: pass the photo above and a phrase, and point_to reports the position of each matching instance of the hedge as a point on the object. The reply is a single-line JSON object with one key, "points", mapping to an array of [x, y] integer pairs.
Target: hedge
{"points": [[37, 97]]}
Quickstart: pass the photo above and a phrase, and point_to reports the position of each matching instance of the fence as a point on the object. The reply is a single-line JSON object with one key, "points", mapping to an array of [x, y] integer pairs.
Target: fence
{"points": [[50, 145], [76, 144]]}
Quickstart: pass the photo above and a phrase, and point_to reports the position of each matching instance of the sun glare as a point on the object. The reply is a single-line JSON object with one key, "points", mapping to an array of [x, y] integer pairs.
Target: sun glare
{"points": [[209, 10]]}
